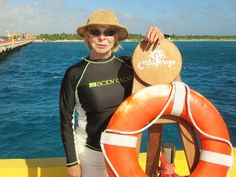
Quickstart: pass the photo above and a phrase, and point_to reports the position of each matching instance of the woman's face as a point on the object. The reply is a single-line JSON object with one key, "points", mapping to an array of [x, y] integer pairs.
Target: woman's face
{"points": [[101, 39]]}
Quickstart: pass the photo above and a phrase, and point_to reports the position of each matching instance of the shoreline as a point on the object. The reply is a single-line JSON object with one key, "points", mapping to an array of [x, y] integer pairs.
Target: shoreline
{"points": [[190, 40], [129, 40]]}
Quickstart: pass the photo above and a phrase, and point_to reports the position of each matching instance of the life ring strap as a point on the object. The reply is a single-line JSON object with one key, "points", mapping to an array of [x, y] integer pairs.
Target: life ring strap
{"points": [[217, 158], [118, 140], [179, 98]]}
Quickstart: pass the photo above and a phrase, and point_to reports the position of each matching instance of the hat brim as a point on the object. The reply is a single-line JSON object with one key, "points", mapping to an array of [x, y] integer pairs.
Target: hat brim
{"points": [[122, 31]]}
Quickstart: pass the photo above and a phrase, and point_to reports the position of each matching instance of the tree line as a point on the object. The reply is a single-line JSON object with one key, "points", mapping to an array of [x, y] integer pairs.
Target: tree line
{"points": [[134, 37], [64, 36]]}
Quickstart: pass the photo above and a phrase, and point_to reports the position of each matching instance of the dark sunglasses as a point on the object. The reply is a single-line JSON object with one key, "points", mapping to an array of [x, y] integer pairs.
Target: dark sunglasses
{"points": [[97, 32]]}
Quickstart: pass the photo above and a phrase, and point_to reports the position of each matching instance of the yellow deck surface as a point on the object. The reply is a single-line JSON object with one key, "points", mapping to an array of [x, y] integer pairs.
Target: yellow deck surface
{"points": [[55, 167]]}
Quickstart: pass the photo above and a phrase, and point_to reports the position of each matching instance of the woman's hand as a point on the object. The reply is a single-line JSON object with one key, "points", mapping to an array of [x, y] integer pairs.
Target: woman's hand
{"points": [[154, 35], [74, 171]]}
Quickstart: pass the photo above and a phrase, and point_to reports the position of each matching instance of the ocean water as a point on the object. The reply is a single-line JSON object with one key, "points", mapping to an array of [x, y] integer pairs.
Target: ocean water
{"points": [[30, 82]]}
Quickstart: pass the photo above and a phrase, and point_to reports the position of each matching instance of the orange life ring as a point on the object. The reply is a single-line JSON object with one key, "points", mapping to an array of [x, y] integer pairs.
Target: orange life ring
{"points": [[138, 110]]}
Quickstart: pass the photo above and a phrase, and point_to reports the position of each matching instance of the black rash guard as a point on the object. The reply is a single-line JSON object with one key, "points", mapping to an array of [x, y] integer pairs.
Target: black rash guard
{"points": [[94, 89]]}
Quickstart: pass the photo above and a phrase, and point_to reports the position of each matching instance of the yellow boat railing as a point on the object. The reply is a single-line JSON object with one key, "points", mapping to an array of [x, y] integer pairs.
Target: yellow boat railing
{"points": [[56, 167]]}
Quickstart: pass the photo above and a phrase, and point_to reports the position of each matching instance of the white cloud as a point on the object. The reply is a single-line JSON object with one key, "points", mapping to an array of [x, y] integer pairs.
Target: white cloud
{"points": [[40, 17], [176, 16]]}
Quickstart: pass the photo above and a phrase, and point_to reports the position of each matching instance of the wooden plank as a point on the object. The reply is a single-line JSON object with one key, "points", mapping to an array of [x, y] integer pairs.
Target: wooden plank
{"points": [[138, 84], [153, 148], [189, 140]]}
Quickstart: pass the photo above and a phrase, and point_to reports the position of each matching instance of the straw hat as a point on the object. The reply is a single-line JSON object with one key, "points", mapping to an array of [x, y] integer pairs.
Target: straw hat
{"points": [[104, 17]]}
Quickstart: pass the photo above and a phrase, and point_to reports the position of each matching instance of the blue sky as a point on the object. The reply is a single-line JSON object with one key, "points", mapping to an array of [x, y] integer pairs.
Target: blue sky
{"points": [[180, 17]]}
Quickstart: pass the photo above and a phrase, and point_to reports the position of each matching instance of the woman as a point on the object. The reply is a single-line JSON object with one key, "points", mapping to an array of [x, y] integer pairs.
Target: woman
{"points": [[95, 87]]}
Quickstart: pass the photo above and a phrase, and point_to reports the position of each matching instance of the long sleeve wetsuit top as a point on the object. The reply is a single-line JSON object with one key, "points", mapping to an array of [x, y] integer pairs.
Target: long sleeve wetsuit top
{"points": [[94, 89]]}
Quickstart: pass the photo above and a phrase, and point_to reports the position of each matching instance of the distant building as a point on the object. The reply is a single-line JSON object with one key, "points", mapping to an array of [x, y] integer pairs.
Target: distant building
{"points": [[20, 35]]}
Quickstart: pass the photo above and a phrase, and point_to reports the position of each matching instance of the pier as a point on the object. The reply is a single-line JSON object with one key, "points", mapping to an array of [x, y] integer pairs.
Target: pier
{"points": [[10, 46]]}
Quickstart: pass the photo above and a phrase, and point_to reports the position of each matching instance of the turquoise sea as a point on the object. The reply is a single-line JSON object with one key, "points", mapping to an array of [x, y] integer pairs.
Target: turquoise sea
{"points": [[30, 81]]}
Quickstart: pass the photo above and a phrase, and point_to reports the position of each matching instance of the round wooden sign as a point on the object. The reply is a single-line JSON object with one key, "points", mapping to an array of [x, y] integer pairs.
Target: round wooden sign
{"points": [[157, 63]]}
